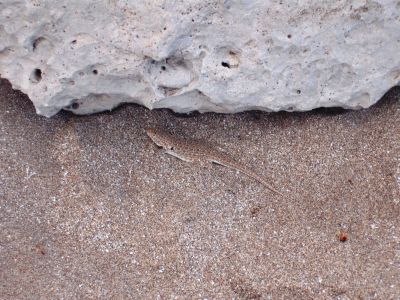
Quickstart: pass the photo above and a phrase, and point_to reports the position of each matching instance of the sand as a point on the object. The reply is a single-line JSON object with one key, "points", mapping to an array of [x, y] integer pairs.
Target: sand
{"points": [[91, 208]]}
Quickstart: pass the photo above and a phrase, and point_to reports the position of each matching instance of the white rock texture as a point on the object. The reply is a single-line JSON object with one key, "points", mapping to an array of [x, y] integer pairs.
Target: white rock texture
{"points": [[223, 56]]}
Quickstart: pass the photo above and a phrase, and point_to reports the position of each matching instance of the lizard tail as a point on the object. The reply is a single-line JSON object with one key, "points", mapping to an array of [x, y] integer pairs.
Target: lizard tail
{"points": [[244, 170], [261, 180]]}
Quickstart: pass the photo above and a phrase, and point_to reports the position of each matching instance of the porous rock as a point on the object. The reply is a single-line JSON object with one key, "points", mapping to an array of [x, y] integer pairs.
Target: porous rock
{"points": [[222, 56]]}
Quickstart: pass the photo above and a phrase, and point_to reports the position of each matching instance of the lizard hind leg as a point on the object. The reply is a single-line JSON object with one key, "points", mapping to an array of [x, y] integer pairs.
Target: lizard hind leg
{"points": [[177, 155]]}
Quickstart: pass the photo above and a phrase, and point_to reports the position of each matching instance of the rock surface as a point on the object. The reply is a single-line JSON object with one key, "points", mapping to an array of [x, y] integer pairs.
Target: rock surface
{"points": [[222, 56]]}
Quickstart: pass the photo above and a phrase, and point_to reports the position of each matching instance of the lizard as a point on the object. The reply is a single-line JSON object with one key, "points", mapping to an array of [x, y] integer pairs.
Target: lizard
{"points": [[191, 150]]}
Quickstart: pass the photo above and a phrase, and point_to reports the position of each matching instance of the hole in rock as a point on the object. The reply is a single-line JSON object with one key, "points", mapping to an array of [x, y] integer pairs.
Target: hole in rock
{"points": [[36, 76], [37, 41]]}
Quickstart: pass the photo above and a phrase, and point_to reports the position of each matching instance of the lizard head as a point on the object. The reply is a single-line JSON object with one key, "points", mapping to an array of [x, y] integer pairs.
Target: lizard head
{"points": [[160, 138]]}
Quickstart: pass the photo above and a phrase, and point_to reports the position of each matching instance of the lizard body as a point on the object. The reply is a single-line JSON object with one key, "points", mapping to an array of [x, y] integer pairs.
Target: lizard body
{"points": [[195, 151]]}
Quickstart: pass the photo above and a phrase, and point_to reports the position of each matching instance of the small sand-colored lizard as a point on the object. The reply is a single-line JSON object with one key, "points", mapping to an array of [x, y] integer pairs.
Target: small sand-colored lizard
{"points": [[195, 151]]}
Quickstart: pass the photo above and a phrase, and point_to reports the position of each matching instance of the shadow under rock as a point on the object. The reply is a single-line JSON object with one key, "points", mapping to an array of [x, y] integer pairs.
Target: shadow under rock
{"points": [[22, 103]]}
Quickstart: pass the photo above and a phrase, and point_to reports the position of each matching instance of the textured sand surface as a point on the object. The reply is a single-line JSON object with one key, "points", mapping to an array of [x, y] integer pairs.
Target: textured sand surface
{"points": [[90, 208]]}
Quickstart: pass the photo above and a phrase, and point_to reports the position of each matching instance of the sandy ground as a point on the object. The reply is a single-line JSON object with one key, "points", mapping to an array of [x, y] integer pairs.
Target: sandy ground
{"points": [[90, 208]]}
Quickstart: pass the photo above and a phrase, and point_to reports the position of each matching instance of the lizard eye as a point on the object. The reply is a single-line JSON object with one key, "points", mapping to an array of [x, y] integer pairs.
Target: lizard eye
{"points": [[171, 148]]}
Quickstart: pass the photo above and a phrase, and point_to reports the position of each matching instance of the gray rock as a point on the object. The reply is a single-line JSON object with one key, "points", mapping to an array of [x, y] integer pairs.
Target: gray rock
{"points": [[222, 56]]}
